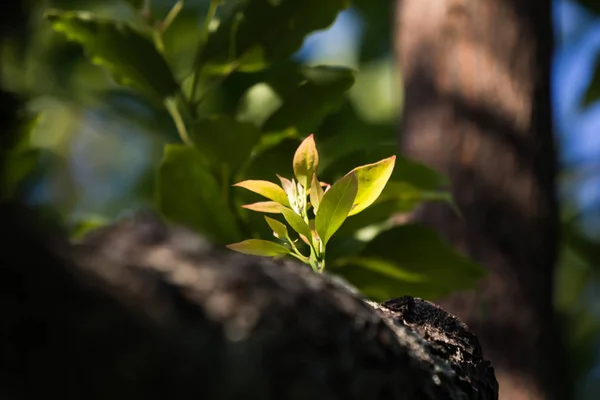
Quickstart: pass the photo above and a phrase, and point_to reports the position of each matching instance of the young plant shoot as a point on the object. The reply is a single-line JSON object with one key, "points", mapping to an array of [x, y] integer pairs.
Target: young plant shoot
{"points": [[313, 209]]}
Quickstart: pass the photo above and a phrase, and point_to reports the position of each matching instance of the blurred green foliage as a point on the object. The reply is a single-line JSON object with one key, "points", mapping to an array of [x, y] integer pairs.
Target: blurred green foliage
{"points": [[166, 104]]}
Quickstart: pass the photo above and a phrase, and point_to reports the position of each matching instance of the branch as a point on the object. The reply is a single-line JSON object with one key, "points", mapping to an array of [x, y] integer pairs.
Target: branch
{"points": [[144, 310]]}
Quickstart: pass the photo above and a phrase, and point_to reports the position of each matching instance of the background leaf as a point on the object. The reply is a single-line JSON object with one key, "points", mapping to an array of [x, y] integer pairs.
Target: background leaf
{"points": [[188, 194], [269, 31], [593, 92], [591, 5], [408, 260], [225, 142], [407, 196], [307, 95], [335, 206], [131, 58]]}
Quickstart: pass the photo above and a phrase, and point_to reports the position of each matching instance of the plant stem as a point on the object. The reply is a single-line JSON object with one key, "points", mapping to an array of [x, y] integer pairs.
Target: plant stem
{"points": [[301, 258], [158, 41], [291, 242], [212, 10], [321, 265], [171, 105], [171, 16]]}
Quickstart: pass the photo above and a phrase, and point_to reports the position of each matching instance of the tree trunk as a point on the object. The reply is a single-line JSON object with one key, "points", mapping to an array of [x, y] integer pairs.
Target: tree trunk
{"points": [[477, 108]]}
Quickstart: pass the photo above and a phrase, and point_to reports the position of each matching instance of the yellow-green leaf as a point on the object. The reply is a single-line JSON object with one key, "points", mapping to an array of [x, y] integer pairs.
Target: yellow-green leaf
{"points": [[316, 193], [279, 229], [264, 206], [306, 161], [372, 178], [335, 206], [265, 188], [295, 221], [258, 247]]}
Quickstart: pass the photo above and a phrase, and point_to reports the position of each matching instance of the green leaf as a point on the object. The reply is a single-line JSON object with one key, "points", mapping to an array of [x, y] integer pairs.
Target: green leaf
{"points": [[224, 141], [592, 94], [258, 247], [188, 194], [265, 207], [411, 171], [372, 179], [258, 32], [267, 189], [316, 193], [130, 57], [19, 158], [306, 161], [278, 228], [136, 4], [591, 5], [82, 227], [407, 196], [276, 158], [335, 206], [409, 259], [308, 94], [296, 222]]}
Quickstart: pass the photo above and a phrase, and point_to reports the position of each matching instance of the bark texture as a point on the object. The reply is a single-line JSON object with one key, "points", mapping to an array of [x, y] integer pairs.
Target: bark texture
{"points": [[142, 310], [477, 108]]}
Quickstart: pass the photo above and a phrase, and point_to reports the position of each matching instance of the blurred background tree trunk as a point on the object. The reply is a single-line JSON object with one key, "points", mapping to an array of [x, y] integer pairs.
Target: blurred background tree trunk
{"points": [[477, 107]]}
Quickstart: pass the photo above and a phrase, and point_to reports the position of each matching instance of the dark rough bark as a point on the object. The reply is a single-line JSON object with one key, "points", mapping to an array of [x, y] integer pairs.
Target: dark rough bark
{"points": [[477, 107], [141, 310]]}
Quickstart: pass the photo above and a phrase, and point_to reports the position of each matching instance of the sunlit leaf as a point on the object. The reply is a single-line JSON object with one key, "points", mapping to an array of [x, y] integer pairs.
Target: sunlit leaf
{"points": [[316, 193], [130, 57], [335, 206], [408, 259], [296, 221], [188, 194], [306, 161], [372, 179], [265, 188], [289, 187], [258, 247], [264, 206], [279, 229]]}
